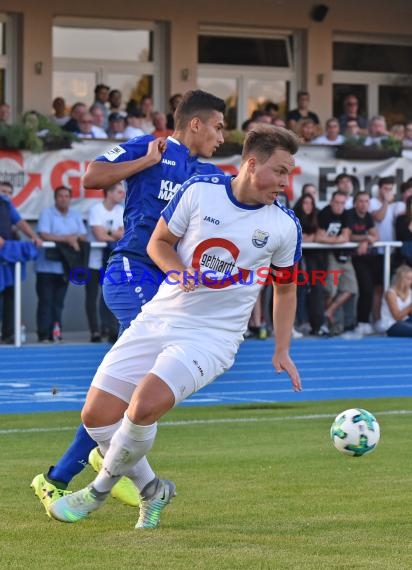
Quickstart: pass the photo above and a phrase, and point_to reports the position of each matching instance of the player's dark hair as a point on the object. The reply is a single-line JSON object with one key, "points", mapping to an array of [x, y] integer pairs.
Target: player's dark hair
{"points": [[197, 103], [264, 139]]}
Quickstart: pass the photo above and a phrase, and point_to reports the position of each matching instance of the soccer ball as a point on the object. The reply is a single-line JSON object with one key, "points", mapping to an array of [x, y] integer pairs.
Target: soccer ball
{"points": [[355, 432]]}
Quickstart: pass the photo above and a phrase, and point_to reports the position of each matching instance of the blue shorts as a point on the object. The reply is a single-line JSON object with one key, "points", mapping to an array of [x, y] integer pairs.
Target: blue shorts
{"points": [[128, 284]]}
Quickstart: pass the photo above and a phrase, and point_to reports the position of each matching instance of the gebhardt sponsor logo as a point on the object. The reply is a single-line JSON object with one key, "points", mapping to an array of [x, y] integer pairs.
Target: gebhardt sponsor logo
{"points": [[216, 264], [232, 254]]}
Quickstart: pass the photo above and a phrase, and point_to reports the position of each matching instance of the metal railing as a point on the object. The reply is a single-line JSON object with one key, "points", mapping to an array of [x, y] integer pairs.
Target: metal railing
{"points": [[17, 288], [386, 245]]}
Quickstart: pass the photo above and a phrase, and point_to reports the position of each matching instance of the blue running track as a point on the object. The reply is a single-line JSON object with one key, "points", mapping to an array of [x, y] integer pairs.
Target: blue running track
{"points": [[56, 378]]}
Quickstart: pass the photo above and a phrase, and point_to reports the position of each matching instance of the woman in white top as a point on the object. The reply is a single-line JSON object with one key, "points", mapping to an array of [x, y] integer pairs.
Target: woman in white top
{"points": [[396, 311]]}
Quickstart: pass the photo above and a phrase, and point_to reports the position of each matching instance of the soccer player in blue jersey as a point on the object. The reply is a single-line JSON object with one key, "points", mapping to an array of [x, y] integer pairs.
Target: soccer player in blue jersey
{"points": [[153, 170]]}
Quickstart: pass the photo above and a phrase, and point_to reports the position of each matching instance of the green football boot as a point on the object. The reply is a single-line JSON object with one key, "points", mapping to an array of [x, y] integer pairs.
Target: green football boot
{"points": [[46, 491]]}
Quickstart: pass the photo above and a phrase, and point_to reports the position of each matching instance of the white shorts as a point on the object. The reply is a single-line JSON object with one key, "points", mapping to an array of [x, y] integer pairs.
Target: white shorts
{"points": [[186, 360]]}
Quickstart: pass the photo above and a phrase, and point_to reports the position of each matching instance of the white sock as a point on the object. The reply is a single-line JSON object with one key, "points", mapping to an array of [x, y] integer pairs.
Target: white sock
{"points": [[103, 435], [128, 446], [141, 474]]}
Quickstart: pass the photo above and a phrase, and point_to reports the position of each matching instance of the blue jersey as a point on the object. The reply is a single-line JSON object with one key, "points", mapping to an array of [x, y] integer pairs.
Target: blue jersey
{"points": [[149, 191]]}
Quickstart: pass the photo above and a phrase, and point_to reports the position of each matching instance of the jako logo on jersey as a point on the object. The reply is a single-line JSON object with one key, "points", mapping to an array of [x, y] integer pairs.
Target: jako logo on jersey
{"points": [[196, 363], [260, 238], [168, 189], [228, 280], [169, 162], [211, 220]]}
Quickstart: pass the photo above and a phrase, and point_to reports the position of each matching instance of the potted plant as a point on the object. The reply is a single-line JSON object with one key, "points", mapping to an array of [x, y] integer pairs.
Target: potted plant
{"points": [[36, 133], [354, 148]]}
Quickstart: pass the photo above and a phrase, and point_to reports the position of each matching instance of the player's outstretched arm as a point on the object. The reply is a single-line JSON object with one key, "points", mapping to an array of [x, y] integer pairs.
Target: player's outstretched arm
{"points": [[101, 174], [284, 310]]}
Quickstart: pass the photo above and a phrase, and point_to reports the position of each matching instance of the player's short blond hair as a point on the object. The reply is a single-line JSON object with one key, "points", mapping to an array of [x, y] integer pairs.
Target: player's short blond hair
{"points": [[263, 140]]}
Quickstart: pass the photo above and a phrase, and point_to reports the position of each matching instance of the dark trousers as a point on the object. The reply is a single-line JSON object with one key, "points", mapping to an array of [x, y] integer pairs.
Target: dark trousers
{"points": [[401, 328], [7, 313], [311, 296], [93, 295], [51, 290], [316, 297], [365, 268]]}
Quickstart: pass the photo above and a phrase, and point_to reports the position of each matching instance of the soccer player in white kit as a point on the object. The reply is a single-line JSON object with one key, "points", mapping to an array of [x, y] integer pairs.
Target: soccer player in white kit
{"points": [[218, 241]]}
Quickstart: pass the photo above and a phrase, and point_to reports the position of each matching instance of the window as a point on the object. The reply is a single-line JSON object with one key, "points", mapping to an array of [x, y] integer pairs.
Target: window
{"points": [[264, 52], [395, 103], [10, 71], [246, 68], [376, 68], [3, 86], [349, 56], [103, 44], [2, 38], [124, 55]]}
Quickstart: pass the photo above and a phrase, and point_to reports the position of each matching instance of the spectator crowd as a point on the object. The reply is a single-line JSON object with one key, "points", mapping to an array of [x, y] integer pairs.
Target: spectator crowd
{"points": [[349, 299]]}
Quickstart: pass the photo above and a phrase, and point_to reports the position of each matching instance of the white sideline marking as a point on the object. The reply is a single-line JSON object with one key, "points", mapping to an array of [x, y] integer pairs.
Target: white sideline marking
{"points": [[212, 421]]}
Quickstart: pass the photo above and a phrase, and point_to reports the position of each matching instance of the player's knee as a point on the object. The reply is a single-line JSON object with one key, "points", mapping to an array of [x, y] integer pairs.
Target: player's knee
{"points": [[94, 416], [146, 412], [142, 413], [89, 417]]}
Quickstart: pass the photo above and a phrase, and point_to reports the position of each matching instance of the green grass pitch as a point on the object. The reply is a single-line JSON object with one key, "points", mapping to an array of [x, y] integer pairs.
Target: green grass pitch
{"points": [[259, 487]]}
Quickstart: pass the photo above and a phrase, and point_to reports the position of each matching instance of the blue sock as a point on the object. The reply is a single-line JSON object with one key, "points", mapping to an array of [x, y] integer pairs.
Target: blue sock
{"points": [[75, 458]]}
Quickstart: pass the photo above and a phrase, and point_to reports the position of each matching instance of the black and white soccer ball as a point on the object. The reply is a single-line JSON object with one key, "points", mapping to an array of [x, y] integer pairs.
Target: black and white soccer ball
{"points": [[355, 432]]}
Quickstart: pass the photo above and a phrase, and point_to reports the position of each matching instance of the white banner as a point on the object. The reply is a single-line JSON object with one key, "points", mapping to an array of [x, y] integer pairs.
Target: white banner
{"points": [[35, 176]]}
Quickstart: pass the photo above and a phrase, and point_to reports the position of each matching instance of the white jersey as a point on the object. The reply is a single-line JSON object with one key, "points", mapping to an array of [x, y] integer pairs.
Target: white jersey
{"points": [[233, 245], [387, 319], [107, 219], [386, 228]]}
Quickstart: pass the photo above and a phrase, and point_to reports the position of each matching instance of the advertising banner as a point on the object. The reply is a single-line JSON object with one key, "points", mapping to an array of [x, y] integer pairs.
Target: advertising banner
{"points": [[35, 176]]}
